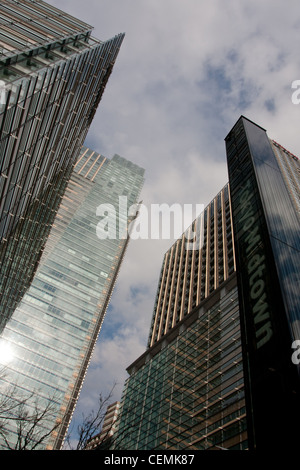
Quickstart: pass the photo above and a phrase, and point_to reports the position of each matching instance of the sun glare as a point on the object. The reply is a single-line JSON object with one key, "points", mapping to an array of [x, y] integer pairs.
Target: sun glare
{"points": [[6, 352]]}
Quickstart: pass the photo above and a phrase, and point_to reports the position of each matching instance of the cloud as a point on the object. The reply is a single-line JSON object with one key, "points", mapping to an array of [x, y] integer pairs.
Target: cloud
{"points": [[185, 73]]}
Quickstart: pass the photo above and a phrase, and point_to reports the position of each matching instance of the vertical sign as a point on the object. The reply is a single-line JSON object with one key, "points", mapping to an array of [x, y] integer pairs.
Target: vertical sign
{"points": [[271, 379]]}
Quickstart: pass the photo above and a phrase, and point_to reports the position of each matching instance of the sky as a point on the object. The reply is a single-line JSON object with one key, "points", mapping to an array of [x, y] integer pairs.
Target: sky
{"points": [[186, 71]]}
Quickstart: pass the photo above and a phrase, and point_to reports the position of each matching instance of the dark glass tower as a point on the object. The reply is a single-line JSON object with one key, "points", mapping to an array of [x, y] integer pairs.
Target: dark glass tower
{"points": [[52, 77], [264, 188]]}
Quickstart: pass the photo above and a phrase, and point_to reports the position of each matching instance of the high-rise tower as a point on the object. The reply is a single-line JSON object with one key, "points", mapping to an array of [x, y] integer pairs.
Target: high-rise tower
{"points": [[187, 390], [264, 186], [191, 271], [52, 77], [51, 335]]}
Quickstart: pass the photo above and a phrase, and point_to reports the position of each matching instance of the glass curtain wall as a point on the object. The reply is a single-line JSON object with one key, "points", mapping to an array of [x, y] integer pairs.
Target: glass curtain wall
{"points": [[52, 76], [52, 333], [190, 394]]}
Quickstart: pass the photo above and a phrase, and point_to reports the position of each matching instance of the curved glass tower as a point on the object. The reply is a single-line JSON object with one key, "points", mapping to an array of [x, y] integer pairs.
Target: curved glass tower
{"points": [[52, 333], [52, 77]]}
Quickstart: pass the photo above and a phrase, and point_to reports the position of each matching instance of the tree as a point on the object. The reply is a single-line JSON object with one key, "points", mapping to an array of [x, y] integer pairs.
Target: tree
{"points": [[29, 420], [32, 420], [90, 425]]}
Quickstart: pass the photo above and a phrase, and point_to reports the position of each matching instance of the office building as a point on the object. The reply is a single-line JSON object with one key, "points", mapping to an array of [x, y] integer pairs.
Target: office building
{"points": [[187, 390], [195, 266], [103, 439], [52, 333], [52, 77], [264, 187]]}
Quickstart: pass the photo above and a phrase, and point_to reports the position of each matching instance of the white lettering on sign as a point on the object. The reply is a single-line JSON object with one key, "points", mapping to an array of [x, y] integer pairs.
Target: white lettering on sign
{"points": [[256, 269]]}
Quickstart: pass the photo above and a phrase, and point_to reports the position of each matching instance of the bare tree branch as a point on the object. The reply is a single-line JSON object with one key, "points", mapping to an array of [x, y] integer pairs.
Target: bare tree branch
{"points": [[91, 424], [31, 421]]}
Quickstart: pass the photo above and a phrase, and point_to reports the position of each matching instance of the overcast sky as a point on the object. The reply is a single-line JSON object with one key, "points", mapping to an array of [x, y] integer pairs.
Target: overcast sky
{"points": [[185, 73]]}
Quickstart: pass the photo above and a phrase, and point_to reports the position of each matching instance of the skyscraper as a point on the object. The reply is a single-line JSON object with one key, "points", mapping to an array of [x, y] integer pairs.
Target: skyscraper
{"points": [[52, 333], [192, 271], [264, 186], [52, 77], [187, 390]]}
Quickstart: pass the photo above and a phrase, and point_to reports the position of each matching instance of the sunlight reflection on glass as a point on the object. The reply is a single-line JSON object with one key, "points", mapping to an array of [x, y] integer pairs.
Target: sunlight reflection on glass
{"points": [[6, 353]]}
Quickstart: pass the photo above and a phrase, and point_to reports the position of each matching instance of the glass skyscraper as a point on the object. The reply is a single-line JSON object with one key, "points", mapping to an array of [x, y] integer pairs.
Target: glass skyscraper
{"points": [[52, 77], [187, 390], [51, 334], [264, 185]]}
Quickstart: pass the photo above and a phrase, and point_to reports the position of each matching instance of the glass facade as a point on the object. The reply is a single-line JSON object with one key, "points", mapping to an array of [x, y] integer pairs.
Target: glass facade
{"points": [[52, 332], [187, 391], [266, 232], [52, 76]]}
